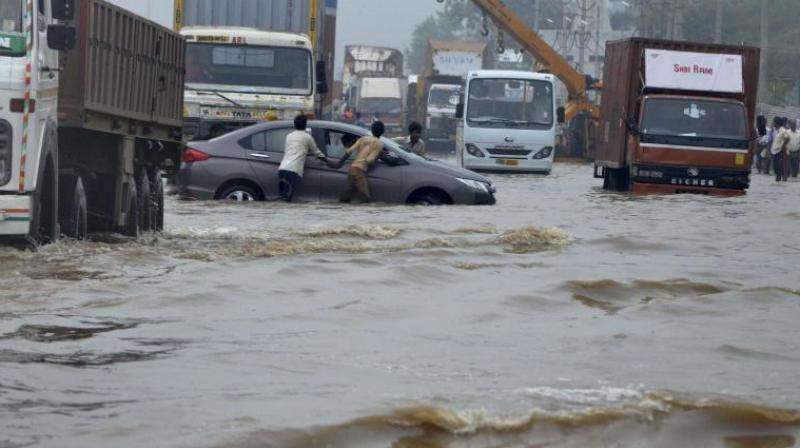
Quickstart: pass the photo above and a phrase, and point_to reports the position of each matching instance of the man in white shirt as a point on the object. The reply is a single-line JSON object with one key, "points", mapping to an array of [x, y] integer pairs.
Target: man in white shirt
{"points": [[780, 146], [299, 144], [794, 149], [414, 140]]}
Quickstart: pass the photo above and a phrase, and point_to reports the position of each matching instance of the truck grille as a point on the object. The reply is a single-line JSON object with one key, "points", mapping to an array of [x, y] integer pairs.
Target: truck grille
{"points": [[5, 152]]}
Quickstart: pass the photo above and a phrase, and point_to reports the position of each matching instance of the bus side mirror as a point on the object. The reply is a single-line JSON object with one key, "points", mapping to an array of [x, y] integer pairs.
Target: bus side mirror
{"points": [[460, 110], [63, 9], [633, 126], [60, 37], [322, 81], [561, 115]]}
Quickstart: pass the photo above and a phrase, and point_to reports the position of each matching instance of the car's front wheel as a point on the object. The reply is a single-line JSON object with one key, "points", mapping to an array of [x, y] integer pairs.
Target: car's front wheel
{"points": [[239, 193]]}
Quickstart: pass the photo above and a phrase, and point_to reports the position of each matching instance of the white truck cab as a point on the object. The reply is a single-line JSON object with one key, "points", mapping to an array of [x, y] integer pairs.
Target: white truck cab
{"points": [[237, 76], [507, 122]]}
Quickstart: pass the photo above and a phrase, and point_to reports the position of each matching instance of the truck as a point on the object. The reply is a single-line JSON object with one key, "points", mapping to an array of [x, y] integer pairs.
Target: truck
{"points": [[248, 63], [439, 87], [677, 117], [91, 99], [374, 85]]}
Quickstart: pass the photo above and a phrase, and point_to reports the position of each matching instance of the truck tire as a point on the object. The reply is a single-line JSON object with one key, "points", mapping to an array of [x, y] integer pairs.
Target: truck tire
{"points": [[157, 191], [144, 201], [131, 227], [44, 225], [74, 215]]}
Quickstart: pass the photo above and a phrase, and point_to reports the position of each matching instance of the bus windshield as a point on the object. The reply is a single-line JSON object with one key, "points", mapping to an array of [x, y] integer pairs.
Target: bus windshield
{"points": [[520, 103], [249, 68], [678, 117]]}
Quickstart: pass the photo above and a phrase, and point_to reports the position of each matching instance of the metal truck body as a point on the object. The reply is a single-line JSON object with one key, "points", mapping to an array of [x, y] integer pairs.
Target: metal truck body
{"points": [[373, 84], [83, 142], [676, 117], [446, 66]]}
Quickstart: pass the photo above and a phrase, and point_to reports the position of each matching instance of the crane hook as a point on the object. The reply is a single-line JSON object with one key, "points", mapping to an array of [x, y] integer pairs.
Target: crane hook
{"points": [[484, 25]]}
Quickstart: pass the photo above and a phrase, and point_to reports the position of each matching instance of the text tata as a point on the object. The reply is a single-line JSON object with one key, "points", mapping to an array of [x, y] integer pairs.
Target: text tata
{"points": [[693, 69]]}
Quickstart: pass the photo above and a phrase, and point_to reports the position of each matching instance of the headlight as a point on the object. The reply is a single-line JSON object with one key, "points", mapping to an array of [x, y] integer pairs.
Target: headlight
{"points": [[543, 153], [474, 150], [475, 185]]}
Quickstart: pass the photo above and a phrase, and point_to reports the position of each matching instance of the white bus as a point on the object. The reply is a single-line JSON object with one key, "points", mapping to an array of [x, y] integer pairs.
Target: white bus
{"points": [[507, 122]]}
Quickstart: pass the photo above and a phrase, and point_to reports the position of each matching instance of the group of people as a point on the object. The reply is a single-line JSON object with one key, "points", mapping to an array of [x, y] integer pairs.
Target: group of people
{"points": [[365, 150], [779, 148]]}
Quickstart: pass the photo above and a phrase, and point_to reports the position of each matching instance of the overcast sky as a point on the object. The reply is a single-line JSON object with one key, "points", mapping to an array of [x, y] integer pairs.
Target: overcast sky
{"points": [[370, 22]]}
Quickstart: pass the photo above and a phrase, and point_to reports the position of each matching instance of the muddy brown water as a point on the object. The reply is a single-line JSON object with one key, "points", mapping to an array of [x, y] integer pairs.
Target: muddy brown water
{"points": [[564, 316]]}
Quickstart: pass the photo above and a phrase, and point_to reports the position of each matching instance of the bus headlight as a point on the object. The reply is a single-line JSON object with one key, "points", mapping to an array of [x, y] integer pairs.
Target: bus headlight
{"points": [[543, 153], [474, 150]]}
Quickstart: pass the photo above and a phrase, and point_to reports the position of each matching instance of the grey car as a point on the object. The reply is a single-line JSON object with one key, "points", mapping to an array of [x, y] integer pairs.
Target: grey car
{"points": [[243, 165]]}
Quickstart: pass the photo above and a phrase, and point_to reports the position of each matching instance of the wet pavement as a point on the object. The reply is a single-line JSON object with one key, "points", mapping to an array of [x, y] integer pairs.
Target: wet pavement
{"points": [[564, 316]]}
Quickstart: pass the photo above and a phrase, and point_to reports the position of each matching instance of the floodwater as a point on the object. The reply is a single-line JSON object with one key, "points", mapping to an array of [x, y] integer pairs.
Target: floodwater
{"points": [[564, 316]]}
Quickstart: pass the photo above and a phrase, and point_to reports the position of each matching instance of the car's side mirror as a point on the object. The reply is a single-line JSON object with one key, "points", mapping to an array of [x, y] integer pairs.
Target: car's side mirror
{"points": [[322, 80], [60, 37], [633, 126], [460, 110], [561, 115], [63, 9]]}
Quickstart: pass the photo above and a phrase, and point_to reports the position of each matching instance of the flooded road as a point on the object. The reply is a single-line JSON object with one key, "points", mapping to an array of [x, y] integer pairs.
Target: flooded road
{"points": [[564, 316]]}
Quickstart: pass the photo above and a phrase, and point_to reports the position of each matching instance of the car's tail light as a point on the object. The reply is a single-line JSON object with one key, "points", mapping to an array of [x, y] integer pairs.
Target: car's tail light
{"points": [[193, 155]]}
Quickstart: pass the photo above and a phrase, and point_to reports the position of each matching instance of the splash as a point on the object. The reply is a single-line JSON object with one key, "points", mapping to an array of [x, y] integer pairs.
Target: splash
{"points": [[369, 232]]}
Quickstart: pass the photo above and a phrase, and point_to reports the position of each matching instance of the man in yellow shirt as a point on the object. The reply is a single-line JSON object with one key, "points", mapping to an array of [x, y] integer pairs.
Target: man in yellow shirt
{"points": [[367, 150]]}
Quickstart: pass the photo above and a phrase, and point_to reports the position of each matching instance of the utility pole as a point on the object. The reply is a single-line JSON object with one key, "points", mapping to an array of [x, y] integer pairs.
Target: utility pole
{"points": [[763, 86], [536, 8], [718, 24]]}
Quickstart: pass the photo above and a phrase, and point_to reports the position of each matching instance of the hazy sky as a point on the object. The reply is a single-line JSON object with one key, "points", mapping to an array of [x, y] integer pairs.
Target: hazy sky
{"points": [[371, 22]]}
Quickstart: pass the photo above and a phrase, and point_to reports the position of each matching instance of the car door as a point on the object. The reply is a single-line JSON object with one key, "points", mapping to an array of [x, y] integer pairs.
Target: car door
{"points": [[264, 150], [385, 182]]}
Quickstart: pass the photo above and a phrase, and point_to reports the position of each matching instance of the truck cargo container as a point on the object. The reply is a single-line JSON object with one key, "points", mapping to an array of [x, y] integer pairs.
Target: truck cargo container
{"points": [[86, 137], [677, 117], [438, 88]]}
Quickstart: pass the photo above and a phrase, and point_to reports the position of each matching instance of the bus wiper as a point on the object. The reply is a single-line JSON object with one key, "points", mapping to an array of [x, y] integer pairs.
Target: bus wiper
{"points": [[543, 123], [214, 92]]}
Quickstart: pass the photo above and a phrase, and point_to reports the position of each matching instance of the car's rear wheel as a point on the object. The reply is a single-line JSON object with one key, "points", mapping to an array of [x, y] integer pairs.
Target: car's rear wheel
{"points": [[239, 193]]}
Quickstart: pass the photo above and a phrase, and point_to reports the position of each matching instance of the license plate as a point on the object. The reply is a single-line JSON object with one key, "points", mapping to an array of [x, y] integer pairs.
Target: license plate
{"points": [[507, 162]]}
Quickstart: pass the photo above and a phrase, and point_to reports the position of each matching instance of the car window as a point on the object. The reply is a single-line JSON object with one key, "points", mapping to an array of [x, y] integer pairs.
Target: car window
{"points": [[334, 148], [273, 140]]}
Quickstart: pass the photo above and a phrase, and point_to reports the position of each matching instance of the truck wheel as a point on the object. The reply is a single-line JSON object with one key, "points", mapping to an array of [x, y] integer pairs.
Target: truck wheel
{"points": [[157, 190], [144, 201], [74, 219], [131, 227], [44, 225]]}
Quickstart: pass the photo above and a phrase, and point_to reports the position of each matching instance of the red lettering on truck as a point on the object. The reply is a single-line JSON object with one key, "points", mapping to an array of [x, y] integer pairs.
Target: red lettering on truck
{"points": [[703, 70], [682, 69]]}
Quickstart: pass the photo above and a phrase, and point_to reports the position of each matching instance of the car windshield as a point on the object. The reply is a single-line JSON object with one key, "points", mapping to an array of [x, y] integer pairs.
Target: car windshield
{"points": [[380, 105], [443, 98], [510, 103], [249, 68], [694, 118]]}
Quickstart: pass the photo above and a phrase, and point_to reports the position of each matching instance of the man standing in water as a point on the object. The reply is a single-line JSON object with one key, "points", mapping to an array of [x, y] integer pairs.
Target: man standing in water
{"points": [[780, 145], [299, 144], [794, 149], [367, 150], [414, 140]]}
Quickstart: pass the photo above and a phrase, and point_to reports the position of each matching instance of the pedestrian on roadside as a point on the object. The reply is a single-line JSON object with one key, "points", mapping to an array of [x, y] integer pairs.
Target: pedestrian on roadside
{"points": [[780, 146], [367, 150], [762, 144], [360, 121], [794, 149], [414, 140], [299, 144]]}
